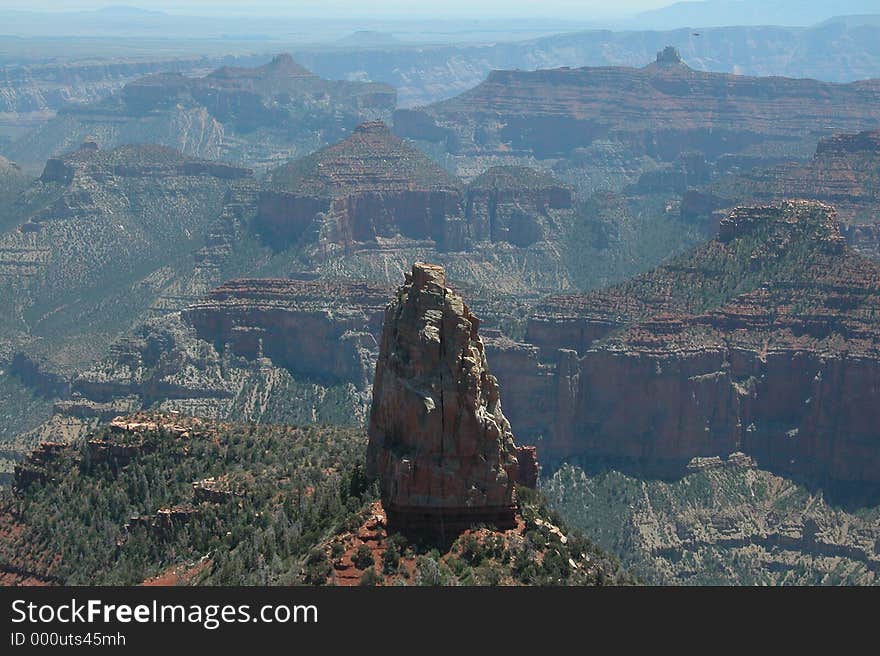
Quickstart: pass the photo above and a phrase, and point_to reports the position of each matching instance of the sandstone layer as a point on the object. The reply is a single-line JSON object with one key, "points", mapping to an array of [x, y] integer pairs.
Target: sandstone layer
{"points": [[326, 331], [369, 186], [373, 190]]}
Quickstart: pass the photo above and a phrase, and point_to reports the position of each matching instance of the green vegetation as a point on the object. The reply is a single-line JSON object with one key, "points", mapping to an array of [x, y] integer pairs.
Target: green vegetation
{"points": [[539, 552], [21, 408], [519, 178], [773, 247], [613, 238], [301, 485], [722, 526], [282, 502]]}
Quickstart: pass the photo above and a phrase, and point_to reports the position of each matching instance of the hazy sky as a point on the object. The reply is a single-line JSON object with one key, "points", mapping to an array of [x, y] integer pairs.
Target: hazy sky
{"points": [[380, 8]]}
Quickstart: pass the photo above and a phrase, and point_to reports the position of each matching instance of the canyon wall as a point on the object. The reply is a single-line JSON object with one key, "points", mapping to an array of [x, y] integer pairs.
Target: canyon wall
{"points": [[316, 329], [258, 116], [779, 359], [374, 190], [602, 127]]}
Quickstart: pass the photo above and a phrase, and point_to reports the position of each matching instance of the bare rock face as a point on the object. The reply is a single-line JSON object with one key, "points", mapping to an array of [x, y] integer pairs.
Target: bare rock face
{"points": [[764, 340], [336, 325], [440, 446], [599, 124], [516, 204], [258, 116]]}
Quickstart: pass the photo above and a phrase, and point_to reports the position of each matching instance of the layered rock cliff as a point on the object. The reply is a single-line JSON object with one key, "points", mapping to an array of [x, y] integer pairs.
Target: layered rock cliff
{"points": [[726, 522], [764, 341], [369, 187], [319, 330], [373, 190], [516, 204], [603, 122], [440, 446]]}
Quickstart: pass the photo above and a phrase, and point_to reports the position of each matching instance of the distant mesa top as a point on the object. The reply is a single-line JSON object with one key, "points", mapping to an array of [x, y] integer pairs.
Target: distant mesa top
{"points": [[282, 64], [258, 116], [660, 110]]}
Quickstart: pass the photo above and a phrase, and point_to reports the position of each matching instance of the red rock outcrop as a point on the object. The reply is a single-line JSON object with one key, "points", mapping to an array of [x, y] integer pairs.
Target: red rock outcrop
{"points": [[765, 341], [369, 186], [440, 446], [529, 471], [374, 190]]}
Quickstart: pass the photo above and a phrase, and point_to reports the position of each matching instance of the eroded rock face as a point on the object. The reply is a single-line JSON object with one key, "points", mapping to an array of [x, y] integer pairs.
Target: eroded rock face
{"points": [[312, 328], [99, 224], [440, 446], [373, 190], [259, 116], [368, 187], [765, 340], [515, 204], [662, 109]]}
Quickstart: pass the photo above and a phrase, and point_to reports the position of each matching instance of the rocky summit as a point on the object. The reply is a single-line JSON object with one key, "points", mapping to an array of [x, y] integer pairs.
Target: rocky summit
{"points": [[369, 186], [373, 191], [440, 446]]}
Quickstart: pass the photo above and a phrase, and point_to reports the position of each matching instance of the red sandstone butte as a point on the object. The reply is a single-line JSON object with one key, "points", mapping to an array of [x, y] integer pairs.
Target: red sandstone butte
{"points": [[441, 448]]}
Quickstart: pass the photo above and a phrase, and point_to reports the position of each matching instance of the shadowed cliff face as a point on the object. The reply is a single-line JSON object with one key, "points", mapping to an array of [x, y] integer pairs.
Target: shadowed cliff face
{"points": [[765, 340], [439, 444]]}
